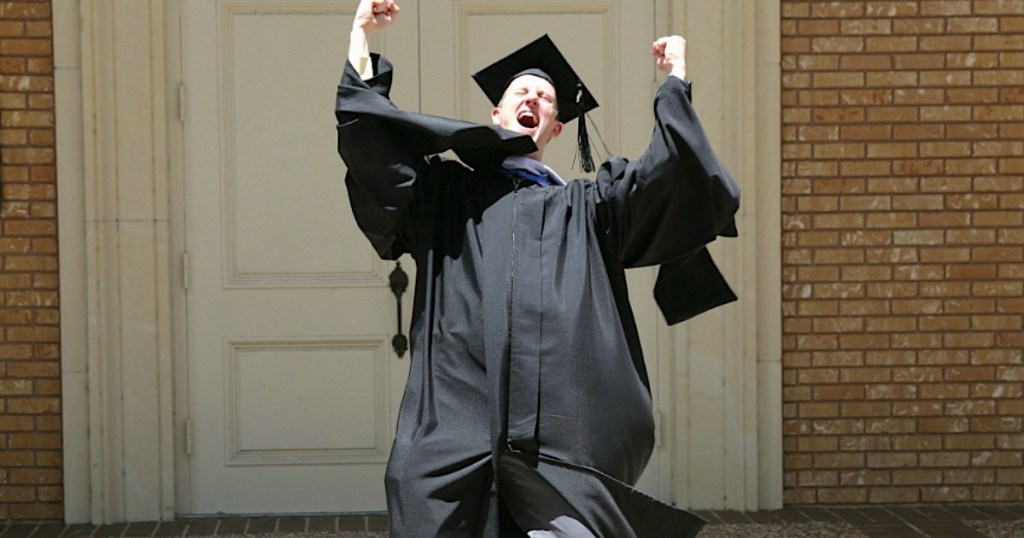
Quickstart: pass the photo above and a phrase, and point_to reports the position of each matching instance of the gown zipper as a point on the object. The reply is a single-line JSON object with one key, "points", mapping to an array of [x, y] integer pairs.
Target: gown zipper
{"points": [[516, 183]]}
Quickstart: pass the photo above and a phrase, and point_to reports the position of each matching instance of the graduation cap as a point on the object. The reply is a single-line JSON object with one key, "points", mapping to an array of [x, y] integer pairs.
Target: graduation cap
{"points": [[543, 59]]}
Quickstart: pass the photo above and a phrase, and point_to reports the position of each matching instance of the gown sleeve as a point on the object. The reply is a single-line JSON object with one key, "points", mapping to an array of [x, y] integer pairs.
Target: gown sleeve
{"points": [[666, 206], [384, 167]]}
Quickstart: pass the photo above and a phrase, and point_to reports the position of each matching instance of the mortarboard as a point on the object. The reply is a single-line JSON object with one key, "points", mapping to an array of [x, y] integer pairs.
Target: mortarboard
{"points": [[542, 58]]}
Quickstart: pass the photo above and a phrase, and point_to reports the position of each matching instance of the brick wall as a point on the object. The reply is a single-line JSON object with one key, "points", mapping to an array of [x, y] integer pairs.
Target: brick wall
{"points": [[30, 420], [903, 265]]}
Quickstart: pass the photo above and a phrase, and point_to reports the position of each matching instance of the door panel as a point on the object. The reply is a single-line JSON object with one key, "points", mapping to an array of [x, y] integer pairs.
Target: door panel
{"points": [[293, 385]]}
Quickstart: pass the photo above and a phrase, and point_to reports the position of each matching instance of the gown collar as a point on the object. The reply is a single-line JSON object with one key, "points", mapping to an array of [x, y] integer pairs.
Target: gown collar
{"points": [[531, 169]]}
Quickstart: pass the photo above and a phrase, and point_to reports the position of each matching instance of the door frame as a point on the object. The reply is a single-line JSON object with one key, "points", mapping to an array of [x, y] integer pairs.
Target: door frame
{"points": [[117, 74]]}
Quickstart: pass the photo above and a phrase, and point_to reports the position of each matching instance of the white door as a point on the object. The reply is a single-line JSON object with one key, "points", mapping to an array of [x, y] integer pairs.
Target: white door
{"points": [[293, 386], [292, 383]]}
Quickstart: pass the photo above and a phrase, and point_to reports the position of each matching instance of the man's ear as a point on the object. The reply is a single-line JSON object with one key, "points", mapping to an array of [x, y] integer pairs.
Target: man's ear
{"points": [[557, 129], [496, 116]]}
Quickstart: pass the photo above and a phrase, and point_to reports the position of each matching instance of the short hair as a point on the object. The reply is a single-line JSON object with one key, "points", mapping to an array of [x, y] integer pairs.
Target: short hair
{"points": [[554, 91]]}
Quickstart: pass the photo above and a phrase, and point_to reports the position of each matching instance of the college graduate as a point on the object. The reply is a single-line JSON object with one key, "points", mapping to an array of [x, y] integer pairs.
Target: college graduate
{"points": [[527, 410]]}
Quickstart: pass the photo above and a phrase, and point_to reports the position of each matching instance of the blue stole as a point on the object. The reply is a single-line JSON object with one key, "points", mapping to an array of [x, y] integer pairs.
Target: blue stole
{"points": [[520, 173], [530, 170]]}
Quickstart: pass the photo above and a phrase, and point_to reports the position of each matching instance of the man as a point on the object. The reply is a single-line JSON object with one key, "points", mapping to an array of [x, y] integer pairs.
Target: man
{"points": [[527, 410]]}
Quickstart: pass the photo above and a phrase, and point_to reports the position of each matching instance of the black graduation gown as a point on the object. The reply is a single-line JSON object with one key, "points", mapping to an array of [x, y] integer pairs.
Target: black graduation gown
{"points": [[522, 337]]}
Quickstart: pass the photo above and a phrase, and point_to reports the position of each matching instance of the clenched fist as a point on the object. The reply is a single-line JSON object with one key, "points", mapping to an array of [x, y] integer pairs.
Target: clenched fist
{"points": [[670, 53]]}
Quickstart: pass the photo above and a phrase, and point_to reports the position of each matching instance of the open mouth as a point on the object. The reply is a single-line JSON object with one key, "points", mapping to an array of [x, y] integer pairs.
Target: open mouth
{"points": [[527, 119]]}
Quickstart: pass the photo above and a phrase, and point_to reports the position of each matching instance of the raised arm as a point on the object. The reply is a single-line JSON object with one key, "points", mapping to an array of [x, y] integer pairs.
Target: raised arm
{"points": [[371, 17], [384, 168], [667, 205], [677, 196]]}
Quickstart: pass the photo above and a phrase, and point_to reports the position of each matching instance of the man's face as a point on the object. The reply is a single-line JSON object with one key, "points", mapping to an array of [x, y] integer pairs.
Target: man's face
{"points": [[529, 107]]}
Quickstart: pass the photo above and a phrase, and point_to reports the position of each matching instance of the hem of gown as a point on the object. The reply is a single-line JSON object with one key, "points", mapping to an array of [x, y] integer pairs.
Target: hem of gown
{"points": [[647, 516]]}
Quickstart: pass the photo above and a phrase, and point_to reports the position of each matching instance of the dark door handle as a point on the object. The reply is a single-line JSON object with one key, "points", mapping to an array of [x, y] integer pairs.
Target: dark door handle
{"points": [[399, 282]]}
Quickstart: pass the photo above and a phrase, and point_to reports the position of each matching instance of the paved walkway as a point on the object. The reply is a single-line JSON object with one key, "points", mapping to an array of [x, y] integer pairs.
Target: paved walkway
{"points": [[938, 521]]}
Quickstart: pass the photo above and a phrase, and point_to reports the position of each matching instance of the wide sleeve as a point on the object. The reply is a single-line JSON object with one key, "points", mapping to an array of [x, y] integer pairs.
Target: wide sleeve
{"points": [[384, 167], [664, 208], [673, 199]]}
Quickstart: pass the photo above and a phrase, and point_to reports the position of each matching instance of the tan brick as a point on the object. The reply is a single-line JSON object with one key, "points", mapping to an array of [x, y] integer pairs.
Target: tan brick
{"points": [[35, 476], [864, 341], [891, 324], [893, 114], [1010, 373], [905, 43], [945, 494], [1013, 477], [837, 290], [890, 392], [791, 10], [813, 410], [49, 458], [972, 201], [14, 423], [818, 27], [969, 476], [890, 425], [838, 392], [998, 7], [817, 478], [944, 391], [842, 495], [797, 496], [995, 424], [864, 477], [969, 442], [1013, 441], [838, 115], [947, 113], [818, 308], [863, 307], [970, 408], [33, 406], [944, 323], [914, 477], [865, 132], [850, 460], [17, 494], [999, 78], [976, 340], [1012, 305], [1000, 493], [50, 494], [997, 289], [943, 357], [26, 47], [892, 460], [890, 357], [34, 441], [37, 511], [864, 443], [49, 423], [838, 44], [945, 459], [33, 334], [972, 25], [795, 44], [918, 26], [996, 390]]}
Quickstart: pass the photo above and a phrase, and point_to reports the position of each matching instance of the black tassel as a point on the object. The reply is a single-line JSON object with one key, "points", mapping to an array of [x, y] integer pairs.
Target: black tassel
{"points": [[582, 139]]}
